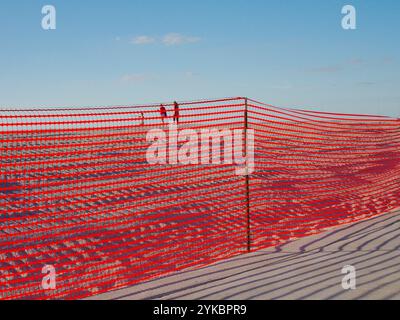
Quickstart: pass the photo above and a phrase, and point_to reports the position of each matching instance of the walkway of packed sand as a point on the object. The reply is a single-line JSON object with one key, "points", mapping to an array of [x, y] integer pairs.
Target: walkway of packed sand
{"points": [[308, 268]]}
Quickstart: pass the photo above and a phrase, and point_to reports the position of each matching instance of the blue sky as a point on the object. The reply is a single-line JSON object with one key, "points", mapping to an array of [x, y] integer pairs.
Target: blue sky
{"points": [[289, 53]]}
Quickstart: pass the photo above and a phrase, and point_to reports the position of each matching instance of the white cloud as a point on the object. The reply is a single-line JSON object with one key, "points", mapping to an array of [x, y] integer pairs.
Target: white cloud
{"points": [[141, 40], [134, 78], [172, 39], [190, 74]]}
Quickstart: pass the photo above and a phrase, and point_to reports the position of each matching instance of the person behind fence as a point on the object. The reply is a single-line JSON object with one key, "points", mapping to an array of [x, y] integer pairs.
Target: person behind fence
{"points": [[163, 113], [141, 118], [176, 112]]}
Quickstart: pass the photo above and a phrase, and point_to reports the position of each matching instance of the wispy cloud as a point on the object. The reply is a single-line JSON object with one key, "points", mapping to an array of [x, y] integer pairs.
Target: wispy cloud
{"points": [[366, 83], [387, 61], [281, 87], [327, 69], [353, 63], [356, 62], [135, 78], [190, 74], [172, 39], [142, 40]]}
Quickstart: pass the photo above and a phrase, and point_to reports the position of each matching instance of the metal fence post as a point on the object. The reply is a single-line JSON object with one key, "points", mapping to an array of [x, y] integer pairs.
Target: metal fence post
{"points": [[246, 125]]}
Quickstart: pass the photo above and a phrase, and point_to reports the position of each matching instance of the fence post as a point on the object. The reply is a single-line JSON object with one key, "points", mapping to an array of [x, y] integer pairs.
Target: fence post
{"points": [[246, 125]]}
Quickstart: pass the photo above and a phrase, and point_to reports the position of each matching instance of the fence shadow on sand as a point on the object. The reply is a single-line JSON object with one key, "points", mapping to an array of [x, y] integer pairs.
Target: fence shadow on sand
{"points": [[308, 268]]}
